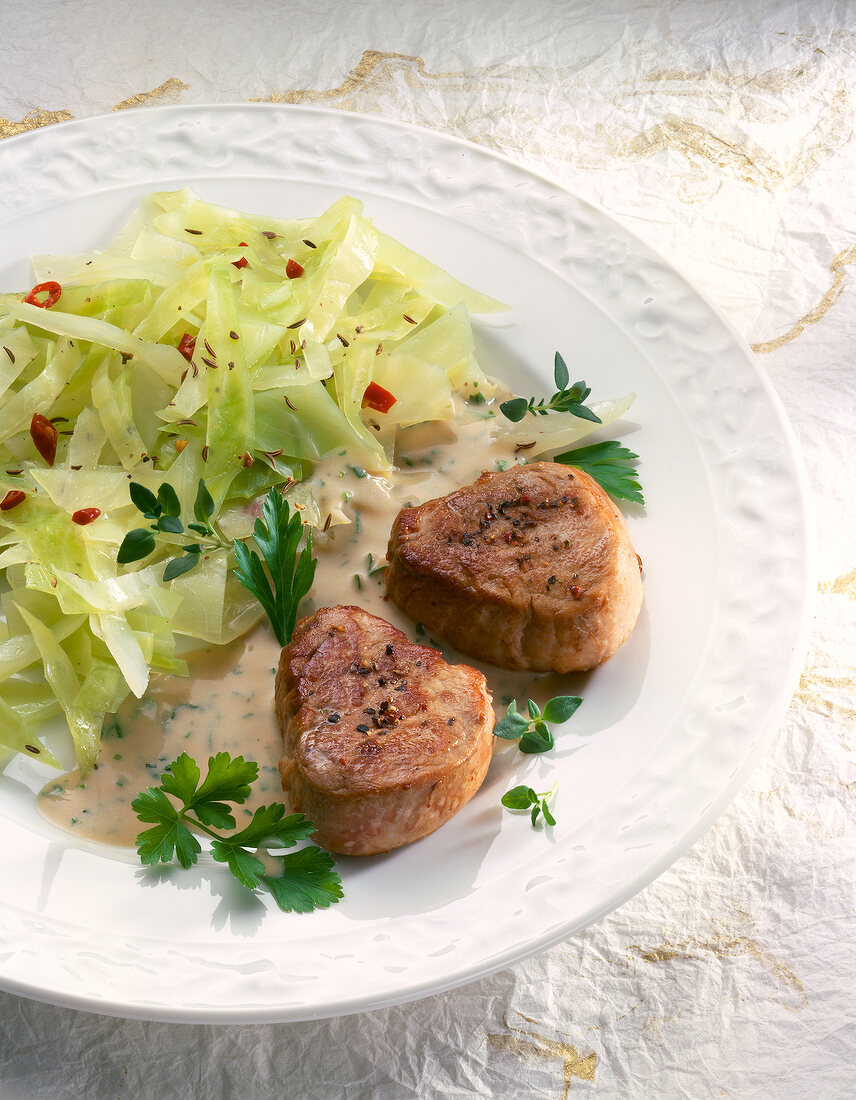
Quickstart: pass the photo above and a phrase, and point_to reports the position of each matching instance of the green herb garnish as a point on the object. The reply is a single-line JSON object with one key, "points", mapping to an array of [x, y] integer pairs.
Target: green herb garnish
{"points": [[277, 534], [165, 509], [612, 467], [565, 399], [523, 797], [533, 733], [307, 879]]}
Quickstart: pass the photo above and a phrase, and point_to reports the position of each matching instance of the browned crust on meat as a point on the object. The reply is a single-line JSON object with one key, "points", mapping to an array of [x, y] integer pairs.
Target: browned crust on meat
{"points": [[528, 568], [383, 740]]}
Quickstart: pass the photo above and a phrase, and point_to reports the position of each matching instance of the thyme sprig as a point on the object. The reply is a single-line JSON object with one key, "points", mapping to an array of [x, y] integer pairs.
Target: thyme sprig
{"points": [[164, 508], [524, 798], [565, 399], [533, 734]]}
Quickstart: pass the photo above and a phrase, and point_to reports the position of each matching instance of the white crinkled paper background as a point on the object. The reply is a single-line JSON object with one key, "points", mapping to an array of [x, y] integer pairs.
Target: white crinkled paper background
{"points": [[723, 134]]}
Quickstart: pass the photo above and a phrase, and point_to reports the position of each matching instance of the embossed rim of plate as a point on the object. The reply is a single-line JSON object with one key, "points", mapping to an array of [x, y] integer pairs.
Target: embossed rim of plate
{"points": [[751, 460]]}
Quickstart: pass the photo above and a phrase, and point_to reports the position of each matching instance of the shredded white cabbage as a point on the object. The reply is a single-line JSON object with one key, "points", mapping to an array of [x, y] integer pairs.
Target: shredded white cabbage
{"points": [[292, 321]]}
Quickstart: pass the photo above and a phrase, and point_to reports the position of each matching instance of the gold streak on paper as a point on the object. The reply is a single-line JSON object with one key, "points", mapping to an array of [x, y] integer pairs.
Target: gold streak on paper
{"points": [[816, 687], [374, 68], [737, 156], [841, 261], [32, 121], [518, 1041], [168, 92], [845, 585], [723, 944]]}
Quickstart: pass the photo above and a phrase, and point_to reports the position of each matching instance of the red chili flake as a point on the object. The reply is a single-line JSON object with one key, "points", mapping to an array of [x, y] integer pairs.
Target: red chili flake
{"points": [[179, 444], [377, 398], [293, 269], [243, 260], [12, 499], [51, 289], [85, 515], [44, 435], [187, 346]]}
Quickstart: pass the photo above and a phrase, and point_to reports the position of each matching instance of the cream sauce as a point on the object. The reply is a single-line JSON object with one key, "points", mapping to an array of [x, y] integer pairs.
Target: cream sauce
{"points": [[226, 702]]}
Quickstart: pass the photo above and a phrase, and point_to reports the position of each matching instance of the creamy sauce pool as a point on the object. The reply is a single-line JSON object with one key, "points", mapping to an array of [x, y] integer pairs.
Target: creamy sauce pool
{"points": [[225, 704]]}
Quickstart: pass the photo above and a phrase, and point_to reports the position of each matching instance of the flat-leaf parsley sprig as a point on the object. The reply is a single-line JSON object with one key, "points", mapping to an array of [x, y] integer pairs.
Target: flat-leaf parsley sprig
{"points": [[612, 466], [307, 879], [277, 534], [164, 508], [565, 399], [533, 733]]}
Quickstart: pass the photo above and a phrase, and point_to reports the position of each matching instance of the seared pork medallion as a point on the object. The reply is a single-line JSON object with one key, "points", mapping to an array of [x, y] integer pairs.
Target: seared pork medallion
{"points": [[383, 740], [528, 568]]}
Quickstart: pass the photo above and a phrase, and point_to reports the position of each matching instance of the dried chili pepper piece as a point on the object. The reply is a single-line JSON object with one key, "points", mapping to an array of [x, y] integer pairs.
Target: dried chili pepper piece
{"points": [[187, 346], [52, 291], [12, 499], [243, 260], [44, 435], [85, 515], [377, 398], [293, 269]]}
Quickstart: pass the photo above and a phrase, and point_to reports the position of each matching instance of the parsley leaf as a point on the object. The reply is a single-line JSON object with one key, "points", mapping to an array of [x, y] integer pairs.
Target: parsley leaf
{"points": [[170, 838], [565, 399], [612, 466], [307, 879], [277, 534]]}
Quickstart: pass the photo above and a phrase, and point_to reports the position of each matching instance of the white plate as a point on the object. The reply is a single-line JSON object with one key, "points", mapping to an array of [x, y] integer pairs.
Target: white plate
{"points": [[670, 727]]}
